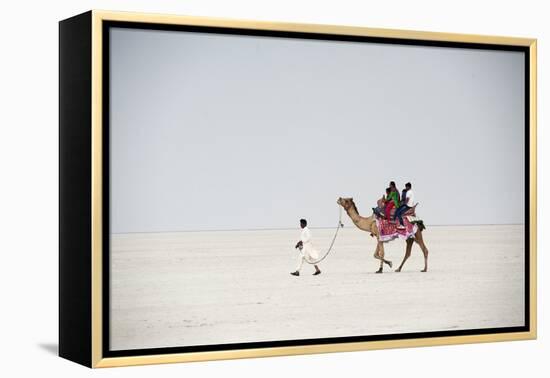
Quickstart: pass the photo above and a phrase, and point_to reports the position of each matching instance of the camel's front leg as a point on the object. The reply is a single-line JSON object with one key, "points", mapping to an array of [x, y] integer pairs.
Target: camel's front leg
{"points": [[380, 251], [407, 253], [379, 254]]}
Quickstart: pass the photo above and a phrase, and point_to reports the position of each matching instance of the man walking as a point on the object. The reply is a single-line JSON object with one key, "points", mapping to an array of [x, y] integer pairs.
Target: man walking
{"points": [[407, 201], [306, 250]]}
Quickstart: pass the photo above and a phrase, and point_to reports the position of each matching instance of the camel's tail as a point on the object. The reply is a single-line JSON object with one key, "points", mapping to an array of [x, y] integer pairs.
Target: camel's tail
{"points": [[420, 224]]}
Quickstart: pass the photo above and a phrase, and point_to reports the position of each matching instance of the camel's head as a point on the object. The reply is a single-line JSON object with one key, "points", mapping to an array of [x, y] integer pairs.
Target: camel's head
{"points": [[346, 203]]}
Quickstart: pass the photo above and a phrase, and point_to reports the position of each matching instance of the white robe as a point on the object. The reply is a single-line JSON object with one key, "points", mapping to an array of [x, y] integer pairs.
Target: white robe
{"points": [[308, 251]]}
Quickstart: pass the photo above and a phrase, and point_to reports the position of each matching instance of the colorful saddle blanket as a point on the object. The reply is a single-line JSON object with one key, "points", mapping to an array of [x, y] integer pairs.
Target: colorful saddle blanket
{"points": [[389, 231]]}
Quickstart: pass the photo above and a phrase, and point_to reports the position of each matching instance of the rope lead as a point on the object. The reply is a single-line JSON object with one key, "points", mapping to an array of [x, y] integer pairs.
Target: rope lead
{"points": [[340, 225]]}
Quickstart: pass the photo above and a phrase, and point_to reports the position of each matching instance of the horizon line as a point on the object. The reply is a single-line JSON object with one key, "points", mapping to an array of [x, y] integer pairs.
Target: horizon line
{"points": [[297, 229]]}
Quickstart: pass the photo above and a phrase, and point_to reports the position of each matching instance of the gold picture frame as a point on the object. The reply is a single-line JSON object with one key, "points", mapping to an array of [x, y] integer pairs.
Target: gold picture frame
{"points": [[82, 41]]}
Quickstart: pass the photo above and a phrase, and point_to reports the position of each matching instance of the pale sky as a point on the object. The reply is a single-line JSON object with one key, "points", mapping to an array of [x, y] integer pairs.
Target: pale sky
{"points": [[217, 132]]}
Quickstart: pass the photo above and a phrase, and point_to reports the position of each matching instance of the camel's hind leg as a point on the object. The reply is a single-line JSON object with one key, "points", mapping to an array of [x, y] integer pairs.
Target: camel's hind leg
{"points": [[408, 249], [420, 240], [379, 254]]}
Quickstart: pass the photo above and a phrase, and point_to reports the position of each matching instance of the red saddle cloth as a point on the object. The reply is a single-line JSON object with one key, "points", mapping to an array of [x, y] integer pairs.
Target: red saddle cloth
{"points": [[389, 231]]}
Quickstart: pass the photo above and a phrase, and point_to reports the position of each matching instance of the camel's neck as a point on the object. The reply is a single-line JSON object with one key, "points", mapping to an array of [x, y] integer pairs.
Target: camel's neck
{"points": [[361, 222]]}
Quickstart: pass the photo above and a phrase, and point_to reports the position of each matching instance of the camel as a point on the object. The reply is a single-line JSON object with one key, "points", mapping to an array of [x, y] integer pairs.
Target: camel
{"points": [[369, 224]]}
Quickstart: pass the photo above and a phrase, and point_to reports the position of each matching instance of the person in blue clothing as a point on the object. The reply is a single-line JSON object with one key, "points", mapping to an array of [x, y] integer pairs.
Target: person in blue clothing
{"points": [[407, 202]]}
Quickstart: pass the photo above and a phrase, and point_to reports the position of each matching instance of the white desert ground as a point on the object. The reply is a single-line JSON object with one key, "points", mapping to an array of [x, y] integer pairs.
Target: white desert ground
{"points": [[195, 288]]}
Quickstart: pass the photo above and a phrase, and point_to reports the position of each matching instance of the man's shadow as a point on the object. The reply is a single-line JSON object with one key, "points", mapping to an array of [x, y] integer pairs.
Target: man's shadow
{"points": [[51, 348]]}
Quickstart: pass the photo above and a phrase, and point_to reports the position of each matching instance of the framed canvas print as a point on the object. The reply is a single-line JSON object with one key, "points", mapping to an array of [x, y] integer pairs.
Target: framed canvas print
{"points": [[235, 189]]}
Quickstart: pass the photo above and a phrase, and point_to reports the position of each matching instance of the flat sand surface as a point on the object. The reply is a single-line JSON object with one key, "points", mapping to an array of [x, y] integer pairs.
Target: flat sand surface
{"points": [[195, 288]]}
